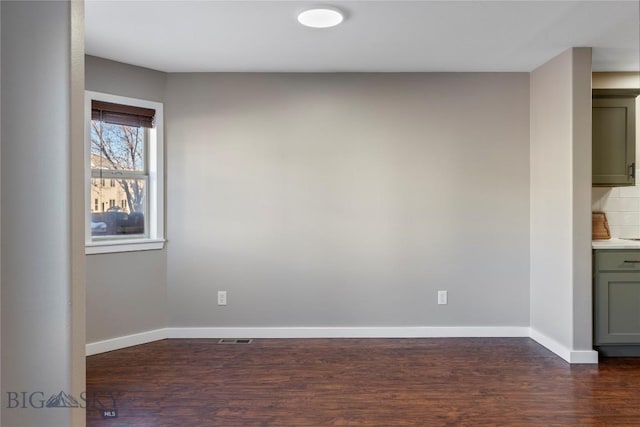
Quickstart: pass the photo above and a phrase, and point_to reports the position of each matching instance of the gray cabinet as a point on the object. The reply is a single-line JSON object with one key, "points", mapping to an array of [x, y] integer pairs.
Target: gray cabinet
{"points": [[614, 137], [616, 299]]}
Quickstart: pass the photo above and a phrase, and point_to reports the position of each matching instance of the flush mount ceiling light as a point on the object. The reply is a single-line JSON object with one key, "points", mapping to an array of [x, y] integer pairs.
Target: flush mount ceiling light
{"points": [[320, 17]]}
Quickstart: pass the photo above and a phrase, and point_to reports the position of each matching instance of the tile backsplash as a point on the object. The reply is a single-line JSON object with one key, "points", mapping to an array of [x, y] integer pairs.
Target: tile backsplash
{"points": [[622, 206]]}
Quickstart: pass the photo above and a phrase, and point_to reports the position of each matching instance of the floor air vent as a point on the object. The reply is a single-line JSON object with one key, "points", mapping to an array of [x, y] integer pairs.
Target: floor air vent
{"points": [[235, 341]]}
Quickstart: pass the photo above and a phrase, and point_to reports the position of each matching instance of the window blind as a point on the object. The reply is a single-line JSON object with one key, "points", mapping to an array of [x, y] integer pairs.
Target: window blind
{"points": [[125, 115]]}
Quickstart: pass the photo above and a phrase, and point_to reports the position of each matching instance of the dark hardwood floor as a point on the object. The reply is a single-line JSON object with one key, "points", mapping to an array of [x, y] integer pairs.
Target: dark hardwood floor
{"points": [[358, 382]]}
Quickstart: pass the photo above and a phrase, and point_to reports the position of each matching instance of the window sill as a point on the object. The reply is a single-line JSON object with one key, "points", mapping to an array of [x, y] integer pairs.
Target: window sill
{"points": [[113, 246]]}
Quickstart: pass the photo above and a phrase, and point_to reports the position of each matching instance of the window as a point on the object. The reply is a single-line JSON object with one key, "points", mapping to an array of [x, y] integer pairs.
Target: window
{"points": [[123, 146]]}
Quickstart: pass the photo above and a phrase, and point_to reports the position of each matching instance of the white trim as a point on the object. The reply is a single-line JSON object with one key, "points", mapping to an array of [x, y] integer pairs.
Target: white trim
{"points": [[125, 341], [350, 332], [129, 245], [551, 344], [154, 217], [307, 332], [583, 356], [571, 356]]}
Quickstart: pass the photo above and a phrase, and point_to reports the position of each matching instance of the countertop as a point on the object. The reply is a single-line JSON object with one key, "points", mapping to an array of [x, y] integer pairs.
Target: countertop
{"points": [[615, 244]]}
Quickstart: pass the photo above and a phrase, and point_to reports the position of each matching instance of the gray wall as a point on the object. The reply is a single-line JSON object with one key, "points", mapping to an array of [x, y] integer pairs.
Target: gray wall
{"points": [[0, 211], [560, 201], [117, 78], [348, 199], [126, 292], [551, 229], [42, 333], [77, 202], [582, 324]]}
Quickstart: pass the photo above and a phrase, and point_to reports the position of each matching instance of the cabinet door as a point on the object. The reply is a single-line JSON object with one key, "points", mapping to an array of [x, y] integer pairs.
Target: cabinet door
{"points": [[614, 144], [617, 308]]}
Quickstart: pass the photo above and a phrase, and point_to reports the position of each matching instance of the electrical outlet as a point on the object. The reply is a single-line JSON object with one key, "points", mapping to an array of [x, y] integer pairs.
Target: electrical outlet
{"points": [[222, 297], [442, 297]]}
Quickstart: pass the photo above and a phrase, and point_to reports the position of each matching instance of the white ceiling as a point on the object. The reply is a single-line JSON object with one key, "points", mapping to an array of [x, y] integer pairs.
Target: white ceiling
{"points": [[390, 36]]}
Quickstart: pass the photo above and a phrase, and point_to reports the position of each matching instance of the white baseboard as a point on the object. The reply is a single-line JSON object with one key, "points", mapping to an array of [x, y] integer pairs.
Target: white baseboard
{"points": [[583, 356], [125, 341], [571, 356], [305, 332], [349, 332]]}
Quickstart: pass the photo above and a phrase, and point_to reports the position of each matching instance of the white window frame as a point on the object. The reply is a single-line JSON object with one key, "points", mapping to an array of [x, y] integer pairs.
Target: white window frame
{"points": [[154, 238]]}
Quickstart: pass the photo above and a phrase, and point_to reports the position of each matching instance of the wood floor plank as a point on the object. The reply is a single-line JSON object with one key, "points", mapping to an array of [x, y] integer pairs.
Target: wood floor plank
{"points": [[358, 382]]}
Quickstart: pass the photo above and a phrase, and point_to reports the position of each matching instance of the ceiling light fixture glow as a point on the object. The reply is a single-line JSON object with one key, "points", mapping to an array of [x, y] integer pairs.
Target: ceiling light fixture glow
{"points": [[321, 17]]}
